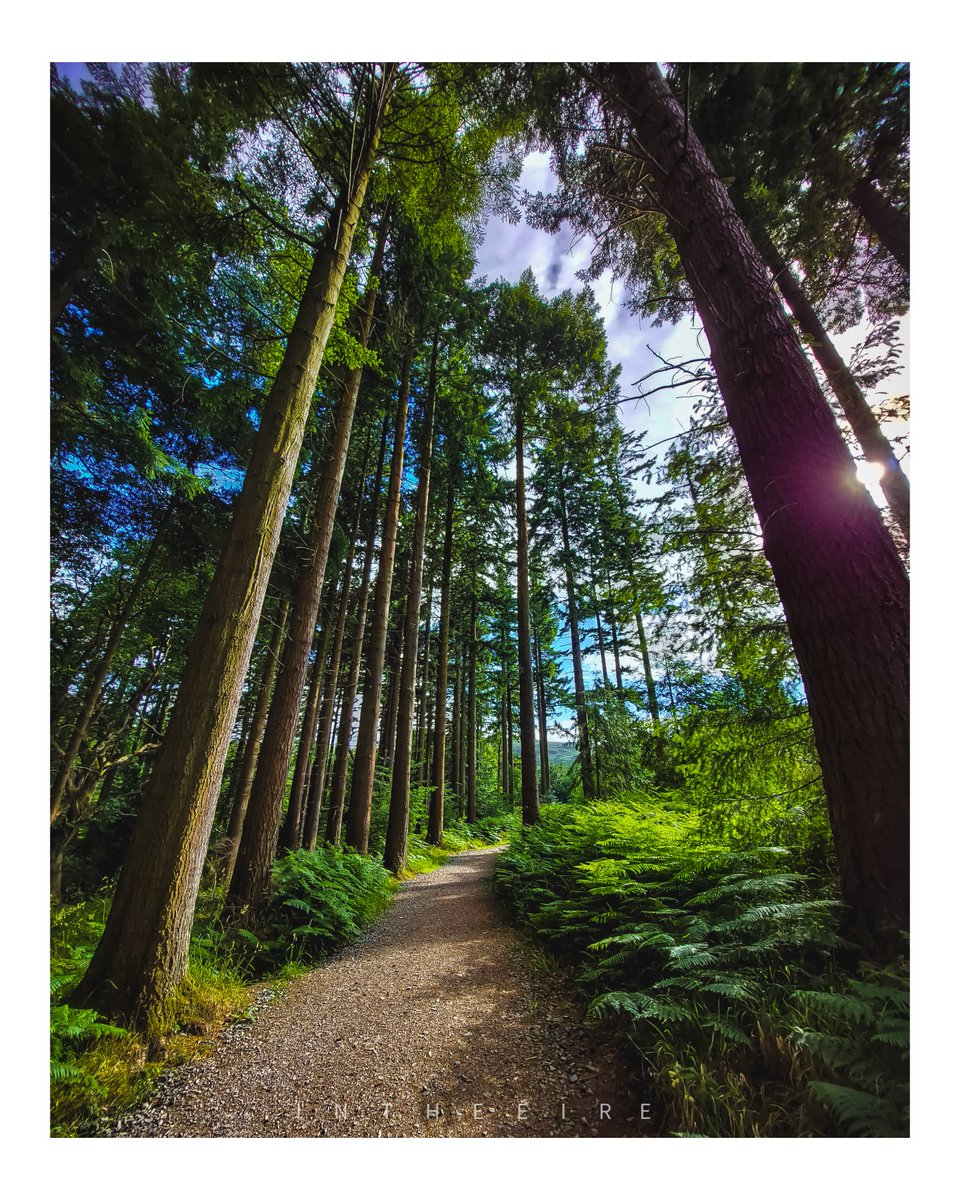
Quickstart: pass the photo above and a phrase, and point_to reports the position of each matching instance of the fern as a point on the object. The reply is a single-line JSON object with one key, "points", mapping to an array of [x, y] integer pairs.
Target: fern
{"points": [[721, 965]]}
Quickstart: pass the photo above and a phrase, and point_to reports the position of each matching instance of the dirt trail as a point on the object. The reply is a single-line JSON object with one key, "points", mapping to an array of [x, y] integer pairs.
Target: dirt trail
{"points": [[433, 1025]]}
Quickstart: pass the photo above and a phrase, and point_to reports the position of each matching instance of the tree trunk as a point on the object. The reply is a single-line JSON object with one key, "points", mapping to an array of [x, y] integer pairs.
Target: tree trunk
{"points": [[94, 688], [142, 956], [435, 824], [422, 719], [600, 642], [295, 814], [252, 749], [342, 753], [456, 723], [573, 617], [859, 414], [648, 674], [841, 581], [542, 718], [529, 799], [229, 794], [472, 711], [365, 756], [890, 225], [291, 836], [395, 852], [615, 638], [504, 758], [258, 845], [509, 746], [389, 731], [291, 833]]}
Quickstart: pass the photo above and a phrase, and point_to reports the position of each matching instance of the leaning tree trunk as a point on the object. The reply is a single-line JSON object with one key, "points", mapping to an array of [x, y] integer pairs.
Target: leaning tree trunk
{"points": [[438, 772], [142, 956], [395, 851], [889, 223], [365, 754], [258, 846], [860, 416], [529, 800], [843, 587], [294, 822]]}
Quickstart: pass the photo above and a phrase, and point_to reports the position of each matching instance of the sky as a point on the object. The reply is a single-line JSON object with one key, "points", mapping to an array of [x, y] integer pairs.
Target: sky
{"points": [[507, 250]]}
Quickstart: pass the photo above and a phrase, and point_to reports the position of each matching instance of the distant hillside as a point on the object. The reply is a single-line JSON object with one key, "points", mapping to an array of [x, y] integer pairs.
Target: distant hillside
{"points": [[561, 753]]}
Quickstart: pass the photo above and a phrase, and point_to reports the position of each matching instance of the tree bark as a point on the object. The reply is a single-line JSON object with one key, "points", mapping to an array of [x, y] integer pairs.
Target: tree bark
{"points": [[542, 718], [648, 673], [365, 756], [395, 851], [529, 799], [348, 700], [293, 828], [291, 835], [456, 722], [841, 581], [600, 641], [615, 638], [389, 730], [859, 414], [889, 223], [438, 771], [257, 725], [142, 956], [422, 718], [258, 845], [472, 710], [508, 749]]}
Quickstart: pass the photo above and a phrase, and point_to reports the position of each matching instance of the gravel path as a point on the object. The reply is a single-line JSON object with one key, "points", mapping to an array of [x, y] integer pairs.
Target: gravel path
{"points": [[433, 1025]]}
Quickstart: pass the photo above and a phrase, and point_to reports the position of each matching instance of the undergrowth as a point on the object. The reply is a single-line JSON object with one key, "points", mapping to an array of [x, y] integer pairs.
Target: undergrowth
{"points": [[320, 901], [750, 1013]]}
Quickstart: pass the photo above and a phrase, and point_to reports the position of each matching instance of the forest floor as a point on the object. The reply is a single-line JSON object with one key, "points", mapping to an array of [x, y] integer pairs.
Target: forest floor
{"points": [[435, 1024]]}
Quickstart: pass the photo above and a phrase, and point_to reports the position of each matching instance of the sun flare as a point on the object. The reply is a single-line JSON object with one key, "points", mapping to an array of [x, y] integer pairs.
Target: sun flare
{"points": [[870, 473]]}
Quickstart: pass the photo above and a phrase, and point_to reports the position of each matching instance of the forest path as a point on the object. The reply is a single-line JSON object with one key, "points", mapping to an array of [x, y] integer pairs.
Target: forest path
{"points": [[434, 1024]]}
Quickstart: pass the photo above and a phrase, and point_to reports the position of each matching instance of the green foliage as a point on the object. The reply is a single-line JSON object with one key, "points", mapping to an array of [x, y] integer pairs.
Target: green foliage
{"points": [[321, 899], [726, 967]]}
